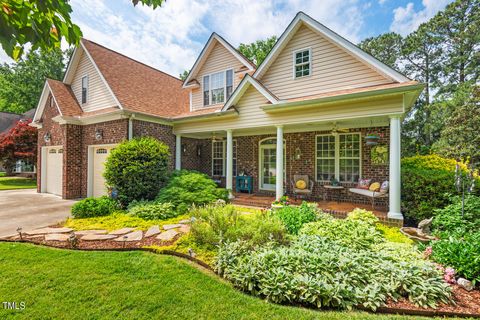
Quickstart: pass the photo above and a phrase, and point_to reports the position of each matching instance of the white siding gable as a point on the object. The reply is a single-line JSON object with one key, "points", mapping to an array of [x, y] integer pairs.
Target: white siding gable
{"points": [[99, 97], [332, 68]]}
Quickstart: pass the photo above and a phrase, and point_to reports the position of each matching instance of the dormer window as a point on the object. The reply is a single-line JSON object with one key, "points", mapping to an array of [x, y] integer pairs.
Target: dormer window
{"points": [[217, 87], [302, 63], [84, 89]]}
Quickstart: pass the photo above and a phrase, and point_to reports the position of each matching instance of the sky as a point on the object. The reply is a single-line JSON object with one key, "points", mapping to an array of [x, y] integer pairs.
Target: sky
{"points": [[171, 37]]}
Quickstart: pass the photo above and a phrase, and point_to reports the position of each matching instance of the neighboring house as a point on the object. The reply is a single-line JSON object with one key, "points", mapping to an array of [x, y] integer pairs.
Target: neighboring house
{"points": [[313, 100], [7, 121]]}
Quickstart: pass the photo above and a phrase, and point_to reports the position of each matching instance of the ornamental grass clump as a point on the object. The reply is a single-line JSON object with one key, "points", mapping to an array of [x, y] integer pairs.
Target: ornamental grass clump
{"points": [[317, 271]]}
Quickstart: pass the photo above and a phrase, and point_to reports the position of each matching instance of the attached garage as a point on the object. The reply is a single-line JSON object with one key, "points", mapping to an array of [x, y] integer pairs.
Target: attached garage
{"points": [[97, 157], [52, 176]]}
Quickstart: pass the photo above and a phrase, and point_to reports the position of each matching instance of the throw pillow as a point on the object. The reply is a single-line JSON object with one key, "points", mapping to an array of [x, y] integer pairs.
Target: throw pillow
{"points": [[384, 187], [364, 183], [300, 184], [374, 186]]}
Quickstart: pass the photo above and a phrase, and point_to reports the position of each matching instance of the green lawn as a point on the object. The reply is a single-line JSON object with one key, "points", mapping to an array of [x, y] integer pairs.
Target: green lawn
{"points": [[10, 183], [62, 284]]}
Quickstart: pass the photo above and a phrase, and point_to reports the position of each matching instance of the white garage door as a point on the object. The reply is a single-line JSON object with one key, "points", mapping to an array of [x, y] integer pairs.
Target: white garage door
{"points": [[54, 169], [100, 154]]}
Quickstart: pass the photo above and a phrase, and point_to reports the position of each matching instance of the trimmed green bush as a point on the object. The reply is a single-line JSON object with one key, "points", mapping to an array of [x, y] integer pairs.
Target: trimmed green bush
{"points": [[295, 217], [153, 211], [322, 273], [187, 188], [94, 207], [427, 184], [449, 221], [137, 169], [393, 234], [363, 215]]}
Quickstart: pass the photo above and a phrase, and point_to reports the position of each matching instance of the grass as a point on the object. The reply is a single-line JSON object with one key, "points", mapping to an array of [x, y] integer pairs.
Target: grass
{"points": [[11, 183], [62, 284], [117, 221]]}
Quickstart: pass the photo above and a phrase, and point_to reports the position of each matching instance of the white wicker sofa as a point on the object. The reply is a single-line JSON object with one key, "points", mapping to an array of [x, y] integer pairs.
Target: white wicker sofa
{"points": [[371, 194]]}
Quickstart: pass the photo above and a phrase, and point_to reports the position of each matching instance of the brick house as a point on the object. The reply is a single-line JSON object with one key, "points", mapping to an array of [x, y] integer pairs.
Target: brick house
{"points": [[309, 109]]}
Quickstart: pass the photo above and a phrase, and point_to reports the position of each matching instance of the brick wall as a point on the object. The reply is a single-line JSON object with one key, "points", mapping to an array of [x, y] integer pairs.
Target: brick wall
{"points": [[161, 132]]}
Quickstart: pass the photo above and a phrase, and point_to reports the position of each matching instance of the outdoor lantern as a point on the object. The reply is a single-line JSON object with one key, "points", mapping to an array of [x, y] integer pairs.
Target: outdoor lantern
{"points": [[98, 134], [298, 153], [199, 150], [47, 137], [184, 148]]}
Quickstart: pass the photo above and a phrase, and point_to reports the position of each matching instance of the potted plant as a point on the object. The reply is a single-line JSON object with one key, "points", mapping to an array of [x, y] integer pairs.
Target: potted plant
{"points": [[284, 201], [371, 139], [334, 182]]}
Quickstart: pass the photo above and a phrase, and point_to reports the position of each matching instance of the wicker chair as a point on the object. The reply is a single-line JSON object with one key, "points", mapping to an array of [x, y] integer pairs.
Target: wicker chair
{"points": [[302, 192]]}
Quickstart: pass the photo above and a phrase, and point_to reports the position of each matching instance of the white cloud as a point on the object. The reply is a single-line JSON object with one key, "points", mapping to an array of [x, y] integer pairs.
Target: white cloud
{"points": [[407, 19], [381, 2]]}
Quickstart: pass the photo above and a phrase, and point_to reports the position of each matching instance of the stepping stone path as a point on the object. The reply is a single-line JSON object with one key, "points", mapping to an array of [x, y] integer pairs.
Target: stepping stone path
{"points": [[184, 228], [98, 237], [186, 221], [122, 231], [48, 231], [171, 226], [167, 235], [133, 236], [153, 230], [57, 237], [85, 232]]}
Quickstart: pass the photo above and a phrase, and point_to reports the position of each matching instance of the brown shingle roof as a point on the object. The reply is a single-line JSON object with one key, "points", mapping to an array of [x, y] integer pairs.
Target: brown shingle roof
{"points": [[137, 86], [65, 98]]}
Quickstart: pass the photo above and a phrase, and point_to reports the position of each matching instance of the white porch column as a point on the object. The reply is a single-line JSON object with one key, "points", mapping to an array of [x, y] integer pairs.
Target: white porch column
{"points": [[279, 164], [229, 173], [395, 183], [178, 152]]}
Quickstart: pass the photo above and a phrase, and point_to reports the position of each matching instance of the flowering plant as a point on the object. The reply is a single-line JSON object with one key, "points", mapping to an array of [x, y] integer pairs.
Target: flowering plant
{"points": [[284, 201]]}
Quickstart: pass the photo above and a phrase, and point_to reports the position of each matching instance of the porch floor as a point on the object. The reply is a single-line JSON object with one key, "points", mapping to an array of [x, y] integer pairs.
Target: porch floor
{"points": [[337, 208]]}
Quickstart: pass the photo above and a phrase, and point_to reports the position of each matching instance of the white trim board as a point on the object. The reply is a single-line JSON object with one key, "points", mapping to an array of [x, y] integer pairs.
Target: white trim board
{"points": [[42, 102], [243, 86]]}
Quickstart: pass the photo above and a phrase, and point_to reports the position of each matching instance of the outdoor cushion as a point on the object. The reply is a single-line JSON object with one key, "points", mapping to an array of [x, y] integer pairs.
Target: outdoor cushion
{"points": [[302, 191], [364, 183], [300, 184], [368, 193], [374, 186], [384, 187]]}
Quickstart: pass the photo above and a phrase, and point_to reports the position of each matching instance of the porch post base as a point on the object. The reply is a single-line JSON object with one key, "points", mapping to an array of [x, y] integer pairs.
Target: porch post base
{"points": [[395, 215]]}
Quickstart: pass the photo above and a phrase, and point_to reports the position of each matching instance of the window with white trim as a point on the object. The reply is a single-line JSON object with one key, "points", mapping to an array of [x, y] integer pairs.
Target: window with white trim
{"points": [[338, 156], [217, 87], [302, 65], [84, 89], [219, 158]]}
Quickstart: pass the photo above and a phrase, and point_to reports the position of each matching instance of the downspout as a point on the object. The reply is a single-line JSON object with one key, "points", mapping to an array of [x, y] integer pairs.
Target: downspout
{"points": [[130, 126]]}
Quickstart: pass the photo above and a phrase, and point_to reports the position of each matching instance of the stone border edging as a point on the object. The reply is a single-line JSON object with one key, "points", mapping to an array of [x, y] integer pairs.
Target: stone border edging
{"points": [[384, 310]]}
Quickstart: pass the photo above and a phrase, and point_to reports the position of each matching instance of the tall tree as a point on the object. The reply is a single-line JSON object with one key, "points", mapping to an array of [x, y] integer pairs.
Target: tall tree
{"points": [[183, 75], [19, 143], [385, 47], [257, 51], [43, 24], [21, 83]]}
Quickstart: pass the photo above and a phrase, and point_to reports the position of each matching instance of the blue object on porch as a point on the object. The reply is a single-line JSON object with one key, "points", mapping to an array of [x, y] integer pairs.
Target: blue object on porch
{"points": [[244, 183]]}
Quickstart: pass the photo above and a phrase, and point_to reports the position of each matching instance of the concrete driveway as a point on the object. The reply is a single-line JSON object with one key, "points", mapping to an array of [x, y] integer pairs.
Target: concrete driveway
{"points": [[29, 209]]}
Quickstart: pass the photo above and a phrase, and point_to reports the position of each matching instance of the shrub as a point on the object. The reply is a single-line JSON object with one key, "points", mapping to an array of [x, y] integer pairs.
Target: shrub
{"points": [[427, 182], [393, 234], [363, 215], [449, 221], [295, 217], [153, 211], [137, 169], [94, 207], [216, 223], [352, 233], [461, 254], [322, 273], [186, 188]]}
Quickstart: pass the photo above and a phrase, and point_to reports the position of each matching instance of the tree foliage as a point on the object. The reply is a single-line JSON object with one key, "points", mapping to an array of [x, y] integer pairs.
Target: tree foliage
{"points": [[43, 24], [257, 51], [21, 83], [18, 143]]}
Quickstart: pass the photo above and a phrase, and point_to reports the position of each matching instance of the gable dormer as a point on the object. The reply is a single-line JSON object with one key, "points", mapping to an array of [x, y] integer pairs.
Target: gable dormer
{"points": [[87, 83], [217, 72]]}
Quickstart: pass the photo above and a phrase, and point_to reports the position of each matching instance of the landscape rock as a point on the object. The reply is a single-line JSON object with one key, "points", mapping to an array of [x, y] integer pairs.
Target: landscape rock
{"points": [[98, 237], [186, 221], [153, 230], [48, 230], [57, 237], [122, 231], [171, 226], [133, 236], [167, 235], [465, 284], [85, 232]]}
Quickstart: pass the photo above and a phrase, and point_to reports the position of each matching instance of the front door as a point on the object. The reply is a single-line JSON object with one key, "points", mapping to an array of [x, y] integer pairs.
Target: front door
{"points": [[268, 163]]}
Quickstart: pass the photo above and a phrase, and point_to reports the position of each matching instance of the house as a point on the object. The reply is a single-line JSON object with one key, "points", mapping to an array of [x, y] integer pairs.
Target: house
{"points": [[306, 110]]}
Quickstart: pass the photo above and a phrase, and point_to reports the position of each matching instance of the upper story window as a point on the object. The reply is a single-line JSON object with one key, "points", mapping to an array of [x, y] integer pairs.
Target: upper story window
{"points": [[302, 63], [217, 87], [84, 89]]}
